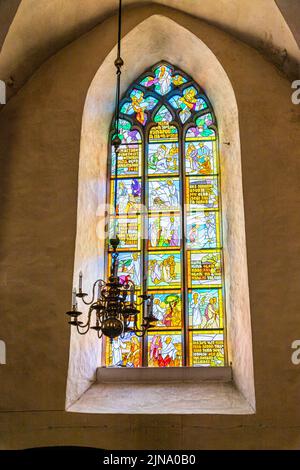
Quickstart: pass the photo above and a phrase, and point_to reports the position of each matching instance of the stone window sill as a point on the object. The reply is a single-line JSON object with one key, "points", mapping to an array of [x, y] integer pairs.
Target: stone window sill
{"points": [[208, 390]]}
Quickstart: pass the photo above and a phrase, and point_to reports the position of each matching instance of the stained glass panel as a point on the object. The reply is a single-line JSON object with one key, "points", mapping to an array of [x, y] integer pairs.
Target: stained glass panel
{"points": [[163, 115], [164, 269], [138, 105], [164, 350], [168, 161], [128, 230], [202, 193], [128, 195], [163, 132], [202, 131], [129, 160], [127, 133], [207, 349], [205, 268], [164, 194], [200, 158], [130, 267], [162, 159], [164, 231], [167, 309], [124, 352], [205, 308], [203, 230]]}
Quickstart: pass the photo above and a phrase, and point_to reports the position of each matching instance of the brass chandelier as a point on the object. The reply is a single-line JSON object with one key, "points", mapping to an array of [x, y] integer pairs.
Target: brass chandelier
{"points": [[113, 307]]}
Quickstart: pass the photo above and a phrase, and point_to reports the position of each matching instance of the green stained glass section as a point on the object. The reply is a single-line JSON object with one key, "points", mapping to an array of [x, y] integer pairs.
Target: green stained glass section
{"points": [[164, 350], [163, 159], [164, 194], [164, 270], [164, 232], [205, 268], [202, 130], [200, 158], [163, 115], [205, 308], [203, 230], [206, 349], [127, 133], [202, 193]]}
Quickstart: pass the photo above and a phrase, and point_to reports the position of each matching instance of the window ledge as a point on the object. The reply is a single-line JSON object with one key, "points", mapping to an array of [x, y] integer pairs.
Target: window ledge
{"points": [[163, 391]]}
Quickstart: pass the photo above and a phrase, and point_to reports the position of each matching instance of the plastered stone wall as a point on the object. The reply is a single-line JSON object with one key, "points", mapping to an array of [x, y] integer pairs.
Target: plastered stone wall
{"points": [[40, 138]]}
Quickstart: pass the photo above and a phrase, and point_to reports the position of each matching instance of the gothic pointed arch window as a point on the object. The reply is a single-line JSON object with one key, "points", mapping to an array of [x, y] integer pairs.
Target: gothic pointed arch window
{"points": [[169, 221]]}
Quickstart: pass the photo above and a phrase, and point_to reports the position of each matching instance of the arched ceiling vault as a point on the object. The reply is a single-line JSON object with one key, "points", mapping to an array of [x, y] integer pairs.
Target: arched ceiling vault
{"points": [[31, 31]]}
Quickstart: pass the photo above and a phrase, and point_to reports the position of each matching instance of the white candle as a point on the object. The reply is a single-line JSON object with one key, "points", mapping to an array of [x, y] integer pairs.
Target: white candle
{"points": [[74, 298]]}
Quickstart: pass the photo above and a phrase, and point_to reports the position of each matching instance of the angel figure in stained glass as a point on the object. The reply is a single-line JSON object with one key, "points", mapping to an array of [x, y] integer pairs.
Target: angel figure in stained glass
{"points": [[139, 104]]}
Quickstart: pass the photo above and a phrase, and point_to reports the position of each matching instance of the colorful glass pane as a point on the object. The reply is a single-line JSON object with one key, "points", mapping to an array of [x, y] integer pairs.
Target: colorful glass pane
{"points": [[167, 309], [164, 350], [163, 115], [202, 193], [205, 308], [163, 79], [205, 268], [127, 134], [138, 105], [148, 81], [162, 159], [178, 80], [124, 352], [188, 102], [200, 158], [202, 130], [163, 132], [203, 230], [128, 195], [129, 160], [206, 349], [128, 230], [130, 267], [164, 269], [164, 231], [164, 194]]}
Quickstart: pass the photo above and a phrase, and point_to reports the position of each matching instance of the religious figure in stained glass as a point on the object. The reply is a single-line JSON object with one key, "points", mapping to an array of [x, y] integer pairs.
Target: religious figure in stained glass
{"points": [[169, 221], [163, 159]]}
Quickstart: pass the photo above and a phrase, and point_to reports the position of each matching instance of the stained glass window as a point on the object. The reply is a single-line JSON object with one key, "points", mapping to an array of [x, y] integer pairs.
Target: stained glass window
{"points": [[168, 218]]}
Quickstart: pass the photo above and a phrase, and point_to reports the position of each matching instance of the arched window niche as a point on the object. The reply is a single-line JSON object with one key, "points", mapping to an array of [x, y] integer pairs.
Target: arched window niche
{"points": [[231, 386]]}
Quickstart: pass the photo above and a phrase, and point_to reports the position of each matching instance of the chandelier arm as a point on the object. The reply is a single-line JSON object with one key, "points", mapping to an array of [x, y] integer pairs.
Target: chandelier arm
{"points": [[86, 302], [87, 324]]}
